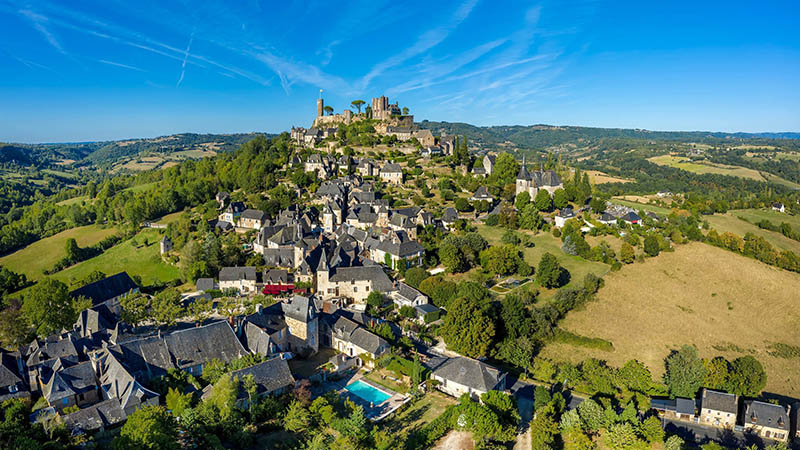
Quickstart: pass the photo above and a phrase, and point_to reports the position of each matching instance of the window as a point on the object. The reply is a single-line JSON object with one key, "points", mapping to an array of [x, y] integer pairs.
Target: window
{"points": [[355, 289], [65, 401], [13, 388]]}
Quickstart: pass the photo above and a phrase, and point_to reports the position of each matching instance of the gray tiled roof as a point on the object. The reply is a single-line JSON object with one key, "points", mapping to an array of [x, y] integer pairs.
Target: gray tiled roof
{"points": [[237, 273], [407, 292], [380, 281], [106, 289], [269, 376], [766, 415], [279, 257], [205, 284], [100, 415], [255, 214], [719, 401], [469, 372], [299, 308], [9, 369], [392, 168], [450, 215], [276, 276], [401, 249], [70, 381]]}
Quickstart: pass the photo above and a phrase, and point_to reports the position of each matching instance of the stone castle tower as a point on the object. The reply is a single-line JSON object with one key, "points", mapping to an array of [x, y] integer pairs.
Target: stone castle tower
{"points": [[320, 107], [380, 107]]}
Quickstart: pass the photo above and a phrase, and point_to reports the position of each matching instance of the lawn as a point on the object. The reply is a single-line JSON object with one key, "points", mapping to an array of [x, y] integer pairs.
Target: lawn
{"points": [[731, 222], [73, 200], [757, 215], [545, 242], [144, 261], [420, 413], [142, 187], [169, 218], [43, 254], [732, 307], [641, 206]]}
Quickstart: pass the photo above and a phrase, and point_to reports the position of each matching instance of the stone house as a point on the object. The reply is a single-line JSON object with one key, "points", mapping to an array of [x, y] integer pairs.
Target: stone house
{"points": [[488, 163], [425, 138], [302, 321], [97, 417], [718, 409], [253, 219], [449, 217], [351, 339], [354, 283], [457, 376], [243, 279], [12, 376], [109, 291], [71, 386], [410, 251], [392, 173], [366, 168], [767, 420], [677, 408], [406, 295], [271, 377], [232, 213], [165, 245], [532, 182], [482, 194], [563, 216]]}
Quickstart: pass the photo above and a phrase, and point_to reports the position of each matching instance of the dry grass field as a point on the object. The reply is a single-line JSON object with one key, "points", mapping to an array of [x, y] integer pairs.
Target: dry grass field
{"points": [[731, 222], [721, 169], [598, 177], [723, 303]]}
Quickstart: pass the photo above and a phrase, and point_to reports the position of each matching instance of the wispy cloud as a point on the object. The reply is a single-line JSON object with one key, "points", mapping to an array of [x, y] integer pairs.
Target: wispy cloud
{"points": [[124, 66], [38, 22], [185, 57], [425, 42]]}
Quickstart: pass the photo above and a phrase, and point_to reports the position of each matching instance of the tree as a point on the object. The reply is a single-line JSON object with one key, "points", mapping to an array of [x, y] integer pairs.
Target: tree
{"points": [[452, 257], [151, 427], [166, 307], [674, 442], [440, 291], [358, 104], [651, 246], [548, 274], [747, 377], [50, 308], [685, 372], [621, 437], [72, 250], [505, 169], [543, 429], [626, 253], [408, 312], [135, 309], [14, 327], [529, 218], [543, 201], [522, 200], [462, 205], [560, 199], [405, 110], [717, 370], [328, 110], [297, 417], [467, 328], [223, 396], [500, 259], [651, 430], [592, 415], [415, 276], [375, 299], [178, 402]]}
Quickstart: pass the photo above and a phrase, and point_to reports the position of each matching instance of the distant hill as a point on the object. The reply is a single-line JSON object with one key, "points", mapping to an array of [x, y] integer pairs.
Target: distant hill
{"points": [[548, 136]]}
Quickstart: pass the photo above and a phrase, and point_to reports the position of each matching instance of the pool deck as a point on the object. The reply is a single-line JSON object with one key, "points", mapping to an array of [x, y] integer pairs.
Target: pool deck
{"points": [[378, 412]]}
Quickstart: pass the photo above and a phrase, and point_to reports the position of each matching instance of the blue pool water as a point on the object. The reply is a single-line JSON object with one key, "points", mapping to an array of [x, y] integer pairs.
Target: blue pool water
{"points": [[368, 393]]}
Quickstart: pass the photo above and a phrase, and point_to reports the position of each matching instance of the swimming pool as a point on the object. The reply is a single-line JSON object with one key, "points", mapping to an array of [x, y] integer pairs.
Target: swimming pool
{"points": [[367, 392]]}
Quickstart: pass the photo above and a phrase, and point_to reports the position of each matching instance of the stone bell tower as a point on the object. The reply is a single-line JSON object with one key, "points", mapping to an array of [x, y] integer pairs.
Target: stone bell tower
{"points": [[320, 107]]}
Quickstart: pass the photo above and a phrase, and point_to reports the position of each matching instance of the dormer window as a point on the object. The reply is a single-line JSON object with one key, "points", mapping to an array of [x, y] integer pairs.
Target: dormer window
{"points": [[753, 418]]}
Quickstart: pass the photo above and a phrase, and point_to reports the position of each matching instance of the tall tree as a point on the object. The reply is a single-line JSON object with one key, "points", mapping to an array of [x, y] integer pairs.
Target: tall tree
{"points": [[685, 372], [548, 273], [166, 307], [747, 377], [358, 104], [543, 201], [505, 169], [135, 309], [467, 328], [72, 250], [328, 110], [49, 307]]}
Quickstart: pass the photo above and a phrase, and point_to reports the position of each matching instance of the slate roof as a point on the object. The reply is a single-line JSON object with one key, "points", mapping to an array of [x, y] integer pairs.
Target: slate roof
{"points": [[100, 415], [255, 214], [426, 308], [450, 215], [269, 376], [235, 208], [279, 257], [276, 276], [350, 331], [9, 369], [103, 290], [401, 249], [719, 401], [116, 380], [606, 217], [392, 168], [223, 225], [631, 217], [63, 348], [205, 284], [92, 321], [380, 281], [469, 372], [566, 213], [237, 273], [766, 415], [270, 319], [299, 308], [70, 381], [677, 405], [482, 193], [255, 339], [407, 292]]}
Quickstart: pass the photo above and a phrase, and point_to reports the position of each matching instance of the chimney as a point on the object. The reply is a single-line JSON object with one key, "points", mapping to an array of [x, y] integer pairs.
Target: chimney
{"points": [[159, 333]]}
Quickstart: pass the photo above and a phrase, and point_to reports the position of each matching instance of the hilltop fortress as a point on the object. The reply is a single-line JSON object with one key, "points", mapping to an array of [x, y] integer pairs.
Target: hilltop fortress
{"points": [[390, 121]]}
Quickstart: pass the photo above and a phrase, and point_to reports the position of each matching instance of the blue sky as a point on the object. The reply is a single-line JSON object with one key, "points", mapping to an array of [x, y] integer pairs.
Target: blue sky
{"points": [[95, 70]]}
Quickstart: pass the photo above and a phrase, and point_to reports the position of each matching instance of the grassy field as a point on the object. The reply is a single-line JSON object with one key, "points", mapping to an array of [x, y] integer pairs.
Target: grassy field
{"points": [[43, 254], [732, 307], [732, 223], [423, 411], [721, 169], [144, 261], [545, 242], [142, 187], [73, 200]]}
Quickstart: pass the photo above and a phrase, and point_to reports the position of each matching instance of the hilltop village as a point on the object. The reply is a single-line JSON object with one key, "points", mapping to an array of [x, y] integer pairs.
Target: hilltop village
{"points": [[380, 295]]}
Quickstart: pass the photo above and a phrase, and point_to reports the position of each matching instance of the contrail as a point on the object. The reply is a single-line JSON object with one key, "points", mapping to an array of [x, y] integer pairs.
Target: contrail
{"points": [[185, 57]]}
